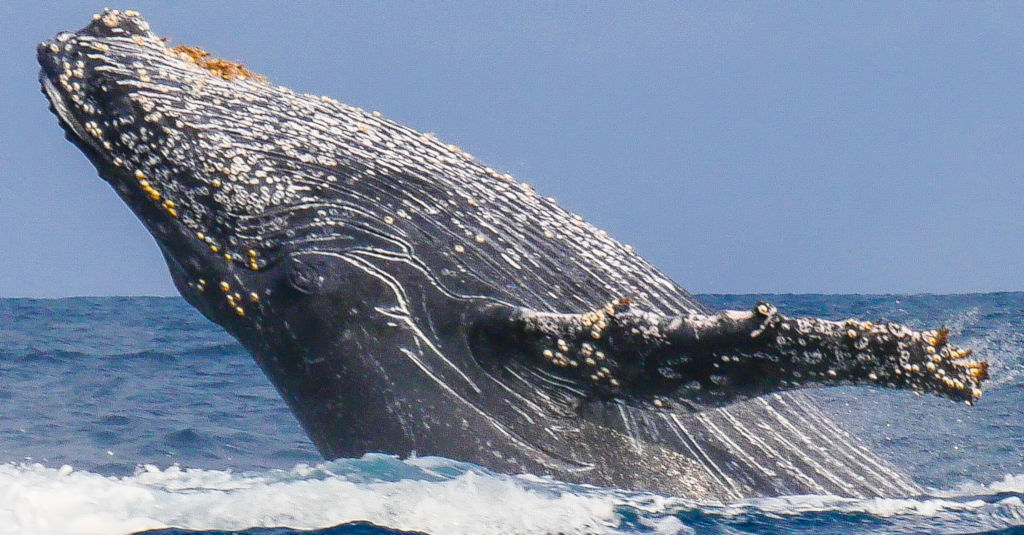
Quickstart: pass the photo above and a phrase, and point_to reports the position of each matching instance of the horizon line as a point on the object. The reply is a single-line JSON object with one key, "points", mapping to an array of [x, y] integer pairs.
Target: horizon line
{"points": [[697, 294]]}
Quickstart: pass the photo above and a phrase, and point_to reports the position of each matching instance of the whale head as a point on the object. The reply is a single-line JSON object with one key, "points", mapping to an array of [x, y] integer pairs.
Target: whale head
{"points": [[197, 149], [252, 191]]}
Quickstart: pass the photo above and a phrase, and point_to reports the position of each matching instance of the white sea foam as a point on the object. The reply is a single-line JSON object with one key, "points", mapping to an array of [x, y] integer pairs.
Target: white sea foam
{"points": [[37, 499], [432, 495]]}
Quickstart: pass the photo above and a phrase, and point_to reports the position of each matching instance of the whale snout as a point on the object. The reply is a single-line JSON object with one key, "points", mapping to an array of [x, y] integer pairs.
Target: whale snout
{"points": [[68, 51], [116, 23], [48, 56]]}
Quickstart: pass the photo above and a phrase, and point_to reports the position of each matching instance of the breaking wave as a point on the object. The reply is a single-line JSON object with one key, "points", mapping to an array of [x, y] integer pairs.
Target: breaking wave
{"points": [[438, 496]]}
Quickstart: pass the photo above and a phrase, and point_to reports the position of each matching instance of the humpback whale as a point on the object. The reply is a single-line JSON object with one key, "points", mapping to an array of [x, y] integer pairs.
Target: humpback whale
{"points": [[404, 298]]}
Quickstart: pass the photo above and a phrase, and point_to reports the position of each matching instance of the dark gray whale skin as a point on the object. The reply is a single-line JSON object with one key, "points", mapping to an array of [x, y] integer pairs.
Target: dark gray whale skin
{"points": [[404, 298]]}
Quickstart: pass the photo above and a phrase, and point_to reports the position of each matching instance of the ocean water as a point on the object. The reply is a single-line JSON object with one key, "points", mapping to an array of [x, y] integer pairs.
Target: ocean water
{"points": [[122, 415]]}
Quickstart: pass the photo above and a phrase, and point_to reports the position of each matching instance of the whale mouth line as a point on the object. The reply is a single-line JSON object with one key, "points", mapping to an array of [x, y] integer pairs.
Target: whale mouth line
{"points": [[60, 106], [65, 117]]}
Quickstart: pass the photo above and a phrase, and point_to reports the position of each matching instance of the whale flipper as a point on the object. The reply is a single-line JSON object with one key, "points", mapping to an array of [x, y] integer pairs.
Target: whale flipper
{"points": [[708, 360]]}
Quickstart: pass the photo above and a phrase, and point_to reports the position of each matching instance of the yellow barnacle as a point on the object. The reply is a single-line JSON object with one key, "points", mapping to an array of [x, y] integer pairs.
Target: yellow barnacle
{"points": [[252, 252], [227, 257], [225, 286], [214, 248], [240, 311], [851, 333], [139, 174], [254, 297], [200, 236]]}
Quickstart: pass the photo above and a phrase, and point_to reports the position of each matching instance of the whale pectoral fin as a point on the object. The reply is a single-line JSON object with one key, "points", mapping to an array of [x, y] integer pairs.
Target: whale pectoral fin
{"points": [[711, 360]]}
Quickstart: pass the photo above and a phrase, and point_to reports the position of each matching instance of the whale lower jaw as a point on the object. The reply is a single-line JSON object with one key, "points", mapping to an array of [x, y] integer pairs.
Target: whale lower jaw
{"points": [[67, 120]]}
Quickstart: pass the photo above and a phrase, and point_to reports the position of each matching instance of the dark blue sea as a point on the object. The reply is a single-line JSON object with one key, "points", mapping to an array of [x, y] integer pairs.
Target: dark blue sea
{"points": [[122, 415]]}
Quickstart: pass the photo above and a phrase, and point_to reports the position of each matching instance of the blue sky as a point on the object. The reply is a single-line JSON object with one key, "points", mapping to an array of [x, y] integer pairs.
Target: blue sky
{"points": [[740, 147]]}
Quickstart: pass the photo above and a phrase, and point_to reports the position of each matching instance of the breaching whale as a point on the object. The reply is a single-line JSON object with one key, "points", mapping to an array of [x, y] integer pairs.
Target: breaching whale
{"points": [[404, 298]]}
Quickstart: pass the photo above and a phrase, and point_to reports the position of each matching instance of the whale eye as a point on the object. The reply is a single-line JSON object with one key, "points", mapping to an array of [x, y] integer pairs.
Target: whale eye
{"points": [[303, 277]]}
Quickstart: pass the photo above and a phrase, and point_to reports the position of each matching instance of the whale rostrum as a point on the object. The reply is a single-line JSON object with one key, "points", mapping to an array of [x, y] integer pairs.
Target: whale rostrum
{"points": [[404, 298]]}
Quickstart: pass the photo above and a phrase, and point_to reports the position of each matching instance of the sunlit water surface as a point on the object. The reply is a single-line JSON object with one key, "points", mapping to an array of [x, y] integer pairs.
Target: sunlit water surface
{"points": [[121, 415]]}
